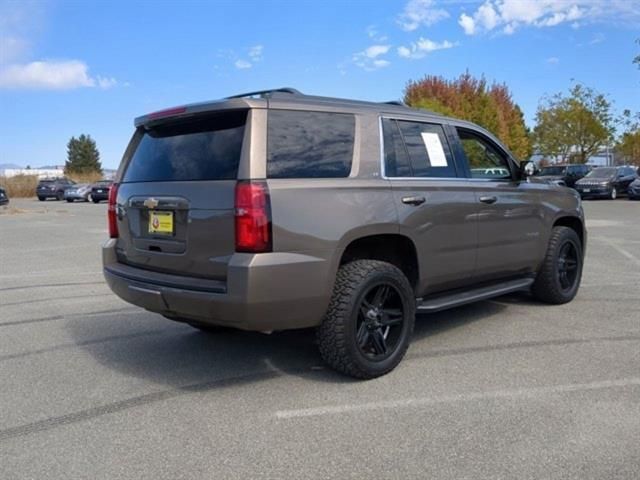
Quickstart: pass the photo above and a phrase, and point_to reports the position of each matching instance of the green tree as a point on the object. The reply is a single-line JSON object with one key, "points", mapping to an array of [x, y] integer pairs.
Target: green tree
{"points": [[573, 127], [82, 156], [473, 99]]}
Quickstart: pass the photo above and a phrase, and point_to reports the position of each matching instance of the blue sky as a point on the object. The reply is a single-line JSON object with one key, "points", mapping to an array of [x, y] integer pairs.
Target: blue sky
{"points": [[72, 67]]}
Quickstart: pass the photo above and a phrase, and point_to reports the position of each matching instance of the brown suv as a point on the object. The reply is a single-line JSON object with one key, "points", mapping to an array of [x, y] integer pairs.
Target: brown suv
{"points": [[277, 210]]}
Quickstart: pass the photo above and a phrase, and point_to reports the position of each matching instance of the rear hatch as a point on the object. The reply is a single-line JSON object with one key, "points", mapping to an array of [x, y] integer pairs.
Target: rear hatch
{"points": [[46, 187], [176, 195]]}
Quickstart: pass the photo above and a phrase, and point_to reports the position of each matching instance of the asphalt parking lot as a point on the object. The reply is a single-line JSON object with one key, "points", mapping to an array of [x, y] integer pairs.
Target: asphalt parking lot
{"points": [[92, 387]]}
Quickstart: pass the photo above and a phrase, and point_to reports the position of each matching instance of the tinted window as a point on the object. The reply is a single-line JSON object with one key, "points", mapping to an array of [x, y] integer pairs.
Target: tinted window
{"points": [[485, 161], [552, 171], [602, 172], [309, 144], [429, 152], [396, 160], [202, 149]]}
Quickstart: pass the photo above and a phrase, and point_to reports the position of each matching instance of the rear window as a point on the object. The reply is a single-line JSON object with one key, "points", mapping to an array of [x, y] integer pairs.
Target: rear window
{"points": [[309, 144], [200, 149]]}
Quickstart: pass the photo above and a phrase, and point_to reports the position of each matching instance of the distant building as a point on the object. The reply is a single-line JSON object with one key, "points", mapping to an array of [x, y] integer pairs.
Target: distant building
{"points": [[602, 158], [53, 171]]}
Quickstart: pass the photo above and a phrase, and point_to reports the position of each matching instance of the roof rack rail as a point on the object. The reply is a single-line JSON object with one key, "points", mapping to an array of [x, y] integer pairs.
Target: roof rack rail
{"points": [[266, 93], [396, 102]]}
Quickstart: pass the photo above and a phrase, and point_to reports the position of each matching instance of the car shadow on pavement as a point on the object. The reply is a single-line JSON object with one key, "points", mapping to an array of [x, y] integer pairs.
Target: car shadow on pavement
{"points": [[164, 352]]}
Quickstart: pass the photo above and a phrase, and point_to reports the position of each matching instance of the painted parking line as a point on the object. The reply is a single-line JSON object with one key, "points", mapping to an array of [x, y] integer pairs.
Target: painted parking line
{"points": [[464, 397]]}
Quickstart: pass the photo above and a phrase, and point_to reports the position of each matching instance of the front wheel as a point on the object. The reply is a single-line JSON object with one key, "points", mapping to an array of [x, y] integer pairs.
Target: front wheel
{"points": [[559, 278], [368, 325]]}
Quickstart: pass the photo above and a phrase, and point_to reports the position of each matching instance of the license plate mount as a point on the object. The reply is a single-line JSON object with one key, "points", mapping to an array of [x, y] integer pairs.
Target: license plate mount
{"points": [[161, 222]]}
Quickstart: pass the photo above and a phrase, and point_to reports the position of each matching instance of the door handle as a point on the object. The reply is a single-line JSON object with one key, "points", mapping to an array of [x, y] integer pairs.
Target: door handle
{"points": [[413, 200], [489, 199]]}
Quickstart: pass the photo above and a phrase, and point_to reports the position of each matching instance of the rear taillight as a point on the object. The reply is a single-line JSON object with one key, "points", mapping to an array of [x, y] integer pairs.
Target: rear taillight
{"points": [[112, 214], [253, 217]]}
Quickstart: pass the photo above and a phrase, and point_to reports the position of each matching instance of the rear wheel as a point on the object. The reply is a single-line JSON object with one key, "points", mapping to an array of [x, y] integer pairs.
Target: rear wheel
{"points": [[70, 200], [42, 199], [614, 193], [60, 196], [95, 200], [559, 279], [368, 325]]}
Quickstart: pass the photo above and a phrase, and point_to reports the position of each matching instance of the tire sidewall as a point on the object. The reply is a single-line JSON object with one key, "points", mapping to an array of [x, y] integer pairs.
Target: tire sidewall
{"points": [[405, 291]]}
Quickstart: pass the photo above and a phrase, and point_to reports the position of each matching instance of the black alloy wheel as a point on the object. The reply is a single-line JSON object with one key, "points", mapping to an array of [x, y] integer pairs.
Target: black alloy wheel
{"points": [[568, 265], [380, 322]]}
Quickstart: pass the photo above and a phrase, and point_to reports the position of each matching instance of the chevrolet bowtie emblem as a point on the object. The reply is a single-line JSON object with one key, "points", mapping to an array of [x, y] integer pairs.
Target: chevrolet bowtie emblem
{"points": [[150, 203]]}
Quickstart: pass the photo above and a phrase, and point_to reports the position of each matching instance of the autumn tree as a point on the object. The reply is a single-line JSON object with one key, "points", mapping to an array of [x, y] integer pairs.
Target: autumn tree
{"points": [[82, 156], [473, 99], [628, 144], [573, 127]]}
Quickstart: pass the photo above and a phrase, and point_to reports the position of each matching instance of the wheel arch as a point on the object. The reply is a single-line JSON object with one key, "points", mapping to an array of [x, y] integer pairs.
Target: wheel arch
{"points": [[574, 223], [394, 248]]}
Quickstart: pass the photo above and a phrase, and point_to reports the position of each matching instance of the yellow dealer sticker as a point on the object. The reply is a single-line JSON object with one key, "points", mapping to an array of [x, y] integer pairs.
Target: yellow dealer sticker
{"points": [[161, 222]]}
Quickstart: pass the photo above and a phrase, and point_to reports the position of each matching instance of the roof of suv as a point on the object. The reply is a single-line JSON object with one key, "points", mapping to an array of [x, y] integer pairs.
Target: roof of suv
{"points": [[280, 97], [287, 97]]}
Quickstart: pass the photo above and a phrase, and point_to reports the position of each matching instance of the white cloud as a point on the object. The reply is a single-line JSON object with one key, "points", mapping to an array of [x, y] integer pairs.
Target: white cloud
{"points": [[419, 13], [381, 63], [376, 50], [51, 75], [255, 52], [242, 64], [369, 59], [467, 23], [553, 60], [107, 82], [423, 47], [510, 15]]}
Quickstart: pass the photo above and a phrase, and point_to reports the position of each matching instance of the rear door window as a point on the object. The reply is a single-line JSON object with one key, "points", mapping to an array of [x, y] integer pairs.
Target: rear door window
{"points": [[416, 149], [206, 148], [309, 144]]}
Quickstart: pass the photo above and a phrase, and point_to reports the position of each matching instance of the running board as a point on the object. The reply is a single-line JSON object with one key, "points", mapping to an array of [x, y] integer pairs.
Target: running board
{"points": [[442, 302]]}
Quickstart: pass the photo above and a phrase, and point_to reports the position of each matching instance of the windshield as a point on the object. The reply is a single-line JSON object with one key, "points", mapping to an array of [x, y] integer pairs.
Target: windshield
{"points": [[552, 171], [604, 172]]}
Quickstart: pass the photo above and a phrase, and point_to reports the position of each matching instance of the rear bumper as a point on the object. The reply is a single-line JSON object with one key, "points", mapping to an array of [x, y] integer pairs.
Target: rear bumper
{"points": [[47, 194], [99, 196], [272, 291], [74, 196]]}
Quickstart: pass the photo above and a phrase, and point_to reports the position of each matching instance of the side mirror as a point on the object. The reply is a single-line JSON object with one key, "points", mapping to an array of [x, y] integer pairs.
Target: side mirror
{"points": [[527, 169]]}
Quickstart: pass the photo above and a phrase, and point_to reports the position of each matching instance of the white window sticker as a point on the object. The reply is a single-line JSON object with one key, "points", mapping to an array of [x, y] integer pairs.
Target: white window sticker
{"points": [[437, 158]]}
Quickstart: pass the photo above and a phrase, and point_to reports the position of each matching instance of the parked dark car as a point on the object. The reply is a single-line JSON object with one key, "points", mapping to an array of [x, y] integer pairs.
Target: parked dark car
{"points": [[634, 190], [566, 175], [100, 190], [4, 198], [292, 211], [606, 182], [53, 188], [79, 191]]}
